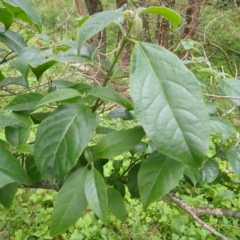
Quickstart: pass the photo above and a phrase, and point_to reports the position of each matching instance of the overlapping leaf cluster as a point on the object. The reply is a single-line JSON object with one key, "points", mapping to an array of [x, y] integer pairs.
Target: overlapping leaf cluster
{"points": [[171, 121]]}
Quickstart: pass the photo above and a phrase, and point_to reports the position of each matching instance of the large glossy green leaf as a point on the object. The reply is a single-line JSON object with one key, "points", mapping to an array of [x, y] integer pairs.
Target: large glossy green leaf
{"points": [[10, 169], [165, 12], [96, 194], [59, 95], [61, 138], [222, 127], [24, 11], [169, 104], [8, 120], [6, 17], [209, 171], [70, 203], [108, 94], [24, 102], [7, 194], [12, 40], [19, 133], [95, 24], [116, 204], [117, 142], [231, 87], [233, 157], [157, 176]]}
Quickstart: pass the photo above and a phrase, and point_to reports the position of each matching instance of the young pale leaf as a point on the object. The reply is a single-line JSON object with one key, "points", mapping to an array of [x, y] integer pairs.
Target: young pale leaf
{"points": [[24, 102], [95, 24], [116, 204], [168, 103], [96, 194], [24, 11], [6, 17], [10, 168], [70, 203], [108, 94], [12, 40], [117, 142], [231, 87], [7, 194], [19, 133], [233, 157], [209, 171], [59, 95], [157, 176], [167, 13], [61, 139]]}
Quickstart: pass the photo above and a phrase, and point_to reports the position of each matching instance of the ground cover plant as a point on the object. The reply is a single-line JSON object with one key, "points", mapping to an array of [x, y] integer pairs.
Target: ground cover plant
{"points": [[164, 134]]}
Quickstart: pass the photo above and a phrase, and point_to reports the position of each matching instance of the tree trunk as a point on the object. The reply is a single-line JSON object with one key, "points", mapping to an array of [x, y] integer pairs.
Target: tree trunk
{"points": [[162, 33], [192, 18]]}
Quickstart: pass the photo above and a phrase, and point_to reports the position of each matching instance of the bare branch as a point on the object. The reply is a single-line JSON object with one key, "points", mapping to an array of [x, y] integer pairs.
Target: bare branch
{"points": [[192, 212]]}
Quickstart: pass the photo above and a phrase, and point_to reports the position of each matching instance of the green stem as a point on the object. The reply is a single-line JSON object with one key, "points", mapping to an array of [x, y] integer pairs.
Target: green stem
{"points": [[109, 74]]}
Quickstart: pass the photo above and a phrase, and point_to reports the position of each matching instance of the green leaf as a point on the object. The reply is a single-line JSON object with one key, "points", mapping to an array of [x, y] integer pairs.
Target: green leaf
{"points": [[116, 204], [95, 192], [157, 176], [19, 134], [95, 24], [231, 87], [8, 120], [15, 81], [25, 56], [6, 17], [10, 169], [61, 139], [32, 171], [12, 40], [140, 147], [132, 181], [1, 77], [118, 142], [24, 11], [233, 157], [7, 194], [39, 116], [165, 12], [169, 105], [70, 203], [193, 174], [209, 171], [25, 148], [122, 113], [24, 102], [59, 95], [222, 127], [108, 94]]}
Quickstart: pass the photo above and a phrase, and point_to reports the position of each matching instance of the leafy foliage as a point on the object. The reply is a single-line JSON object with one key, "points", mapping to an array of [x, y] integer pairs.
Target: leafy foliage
{"points": [[52, 134]]}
